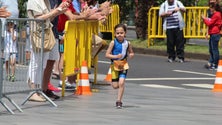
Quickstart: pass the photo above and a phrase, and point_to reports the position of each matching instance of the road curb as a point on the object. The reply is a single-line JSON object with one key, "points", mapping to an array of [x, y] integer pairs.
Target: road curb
{"points": [[164, 53]]}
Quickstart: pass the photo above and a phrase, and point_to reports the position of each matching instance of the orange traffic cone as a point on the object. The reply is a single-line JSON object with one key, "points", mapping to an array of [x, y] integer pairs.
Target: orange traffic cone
{"points": [[218, 79], [84, 85], [109, 76]]}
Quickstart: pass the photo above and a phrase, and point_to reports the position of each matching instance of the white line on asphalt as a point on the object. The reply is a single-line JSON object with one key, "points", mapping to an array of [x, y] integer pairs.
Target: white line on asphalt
{"points": [[191, 72], [208, 86], [106, 62], [160, 79], [160, 86]]}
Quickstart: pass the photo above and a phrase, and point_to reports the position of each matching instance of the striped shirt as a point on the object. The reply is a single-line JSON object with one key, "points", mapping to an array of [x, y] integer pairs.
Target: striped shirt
{"points": [[173, 20]]}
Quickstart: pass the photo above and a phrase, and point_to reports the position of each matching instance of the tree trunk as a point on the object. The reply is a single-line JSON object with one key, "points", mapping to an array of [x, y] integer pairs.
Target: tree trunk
{"points": [[141, 17]]}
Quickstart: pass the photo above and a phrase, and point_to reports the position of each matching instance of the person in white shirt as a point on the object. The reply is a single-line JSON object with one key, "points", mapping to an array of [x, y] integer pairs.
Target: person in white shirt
{"points": [[10, 50]]}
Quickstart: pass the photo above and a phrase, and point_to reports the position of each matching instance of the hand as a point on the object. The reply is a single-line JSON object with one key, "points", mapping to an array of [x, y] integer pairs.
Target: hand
{"points": [[11, 30], [207, 36], [119, 56], [168, 13], [202, 16], [63, 6], [131, 55], [86, 13], [4, 13], [177, 9]]}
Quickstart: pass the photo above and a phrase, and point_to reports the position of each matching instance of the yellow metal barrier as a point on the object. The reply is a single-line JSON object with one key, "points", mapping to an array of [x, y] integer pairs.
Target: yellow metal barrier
{"points": [[113, 19], [78, 45], [194, 26]]}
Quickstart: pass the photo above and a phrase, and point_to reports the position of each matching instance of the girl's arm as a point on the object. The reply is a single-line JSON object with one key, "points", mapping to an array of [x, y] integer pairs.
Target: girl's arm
{"points": [[130, 50], [212, 21], [109, 51], [13, 33]]}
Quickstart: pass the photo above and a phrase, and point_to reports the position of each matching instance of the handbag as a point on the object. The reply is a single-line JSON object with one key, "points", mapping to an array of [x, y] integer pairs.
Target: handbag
{"points": [[49, 40], [120, 65]]}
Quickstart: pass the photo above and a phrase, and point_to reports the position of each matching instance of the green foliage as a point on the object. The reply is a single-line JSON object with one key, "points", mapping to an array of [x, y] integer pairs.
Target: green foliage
{"points": [[22, 8]]}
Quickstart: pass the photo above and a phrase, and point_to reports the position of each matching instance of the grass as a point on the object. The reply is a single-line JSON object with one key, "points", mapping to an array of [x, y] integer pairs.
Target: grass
{"points": [[161, 45]]}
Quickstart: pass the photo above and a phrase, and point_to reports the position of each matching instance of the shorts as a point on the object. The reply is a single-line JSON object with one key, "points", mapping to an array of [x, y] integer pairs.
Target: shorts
{"points": [[61, 45], [117, 74], [8, 55], [54, 53]]}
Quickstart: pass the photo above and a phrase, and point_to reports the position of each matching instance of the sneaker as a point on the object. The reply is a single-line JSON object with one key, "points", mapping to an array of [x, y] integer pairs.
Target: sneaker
{"points": [[207, 66], [119, 104], [170, 60], [8, 78], [50, 94], [180, 60], [12, 79], [68, 86], [212, 68], [53, 88]]}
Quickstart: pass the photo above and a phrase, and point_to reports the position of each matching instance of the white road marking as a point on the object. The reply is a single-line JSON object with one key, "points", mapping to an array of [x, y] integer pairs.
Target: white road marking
{"points": [[208, 86], [191, 72], [160, 86], [161, 79], [106, 62]]}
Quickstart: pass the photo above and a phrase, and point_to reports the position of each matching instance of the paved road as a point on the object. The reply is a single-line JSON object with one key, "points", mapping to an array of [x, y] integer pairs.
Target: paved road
{"points": [[146, 101]]}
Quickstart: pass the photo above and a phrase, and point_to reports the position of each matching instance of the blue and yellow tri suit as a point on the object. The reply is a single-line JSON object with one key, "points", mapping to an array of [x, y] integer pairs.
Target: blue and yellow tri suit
{"points": [[119, 48]]}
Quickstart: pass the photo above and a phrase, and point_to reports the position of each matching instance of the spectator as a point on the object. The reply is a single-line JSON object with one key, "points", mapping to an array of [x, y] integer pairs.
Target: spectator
{"points": [[118, 49], [214, 26], [10, 51], [171, 10], [40, 9], [209, 14], [8, 8], [54, 54], [69, 14], [27, 44]]}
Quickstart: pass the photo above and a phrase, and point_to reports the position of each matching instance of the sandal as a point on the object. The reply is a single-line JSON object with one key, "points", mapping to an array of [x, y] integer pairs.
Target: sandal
{"points": [[55, 76]]}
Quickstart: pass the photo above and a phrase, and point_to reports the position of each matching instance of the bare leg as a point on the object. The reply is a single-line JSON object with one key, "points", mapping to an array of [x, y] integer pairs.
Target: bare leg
{"points": [[121, 89], [6, 67], [115, 85], [12, 63], [47, 74], [56, 67], [60, 65]]}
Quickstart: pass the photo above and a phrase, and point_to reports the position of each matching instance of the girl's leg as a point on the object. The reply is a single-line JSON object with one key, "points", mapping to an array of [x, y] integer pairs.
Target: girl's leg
{"points": [[6, 68], [115, 85], [121, 89], [12, 64]]}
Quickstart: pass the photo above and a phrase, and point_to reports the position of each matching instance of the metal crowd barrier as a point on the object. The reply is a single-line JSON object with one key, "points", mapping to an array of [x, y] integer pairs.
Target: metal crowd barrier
{"points": [[113, 19], [24, 66], [78, 46], [194, 26]]}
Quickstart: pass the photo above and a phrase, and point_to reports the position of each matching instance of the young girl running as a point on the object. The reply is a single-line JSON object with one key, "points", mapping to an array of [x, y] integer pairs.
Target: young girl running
{"points": [[117, 51]]}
